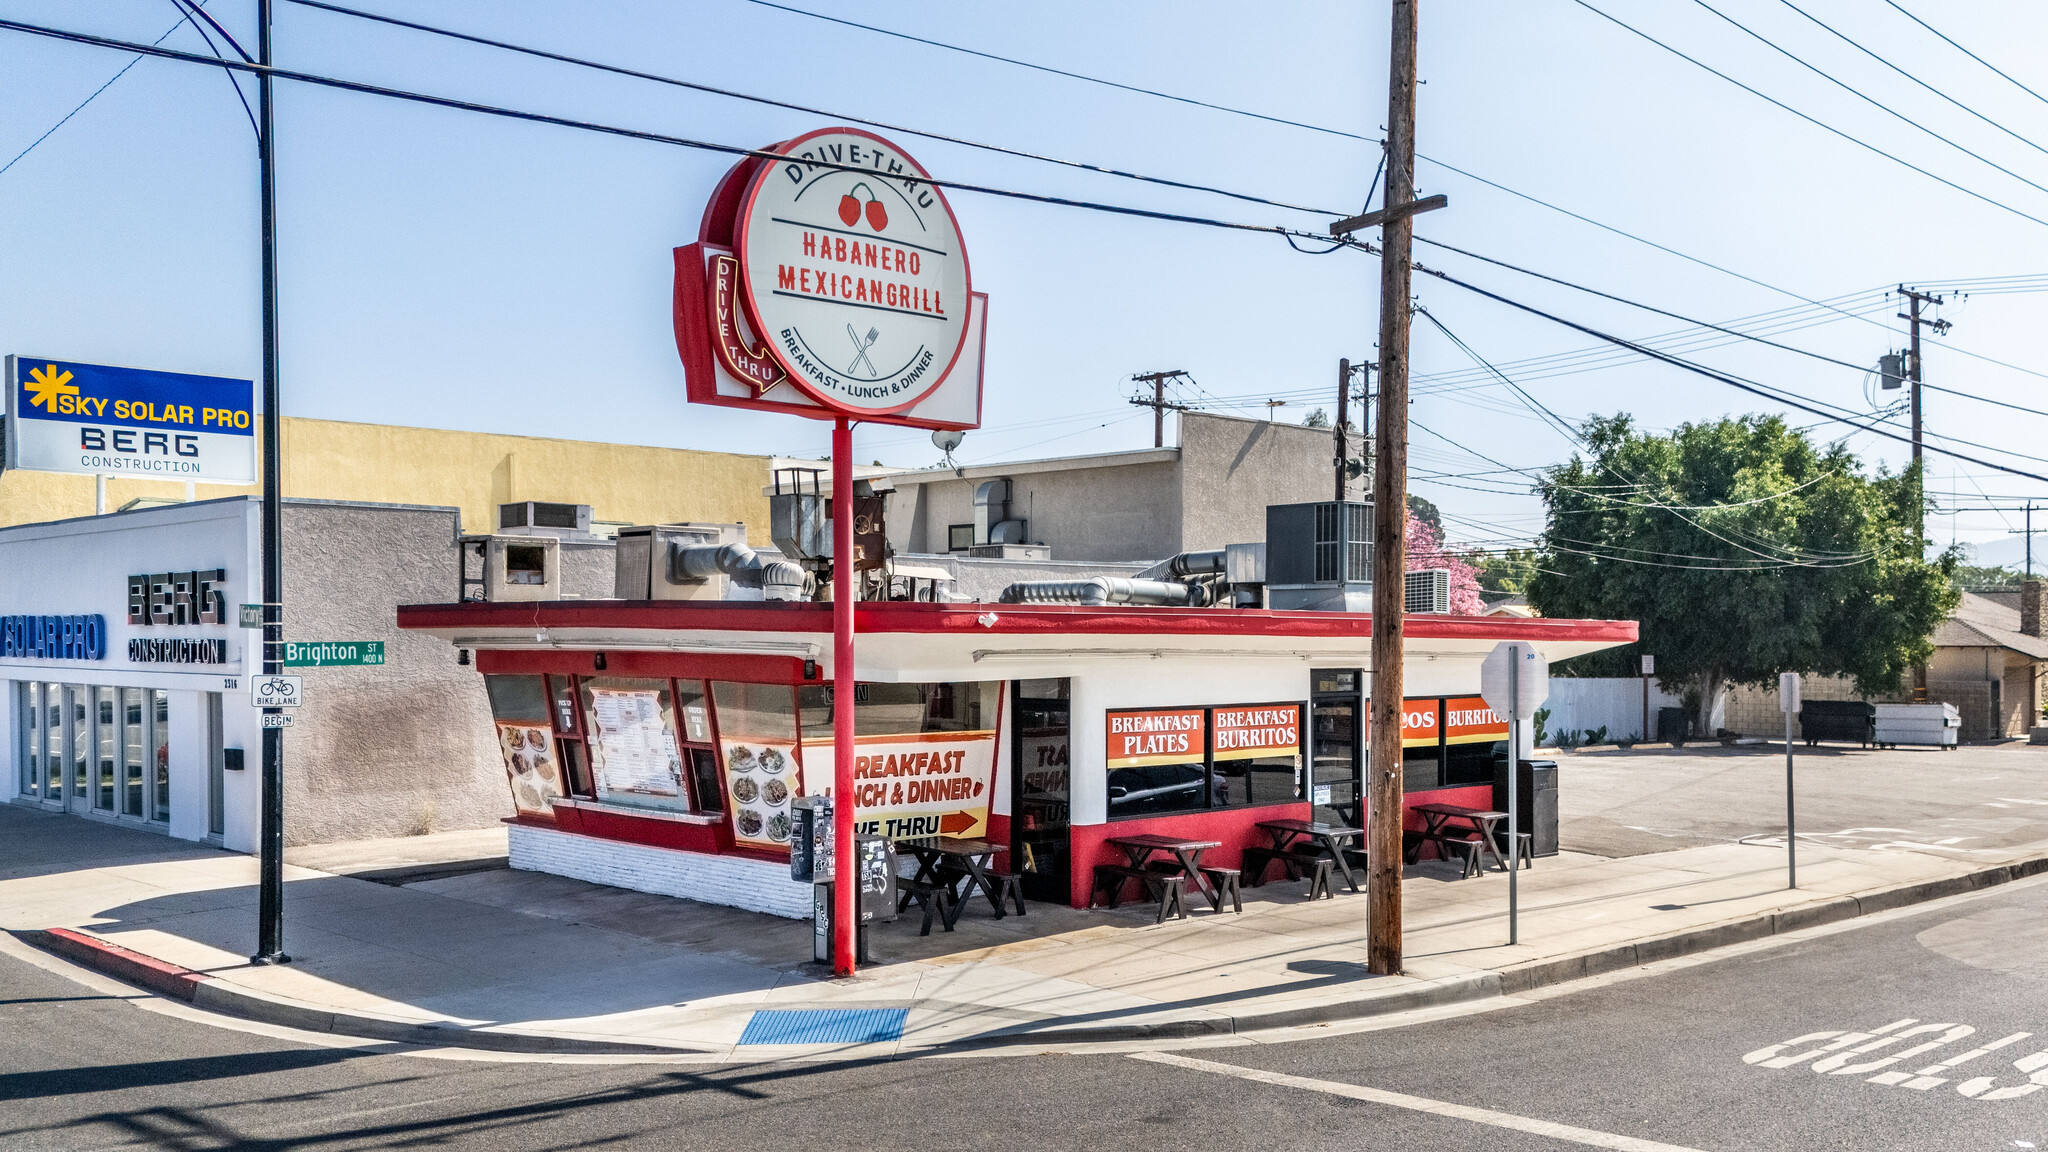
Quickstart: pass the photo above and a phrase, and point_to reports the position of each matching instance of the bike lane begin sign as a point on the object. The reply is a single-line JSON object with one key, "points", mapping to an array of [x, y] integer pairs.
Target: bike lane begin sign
{"points": [[276, 691]]}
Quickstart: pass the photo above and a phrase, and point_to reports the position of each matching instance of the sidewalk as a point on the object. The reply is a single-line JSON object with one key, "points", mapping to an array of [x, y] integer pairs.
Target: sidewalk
{"points": [[444, 947]]}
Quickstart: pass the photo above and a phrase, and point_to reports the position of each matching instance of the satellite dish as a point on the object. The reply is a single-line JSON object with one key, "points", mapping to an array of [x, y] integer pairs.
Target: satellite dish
{"points": [[947, 439]]}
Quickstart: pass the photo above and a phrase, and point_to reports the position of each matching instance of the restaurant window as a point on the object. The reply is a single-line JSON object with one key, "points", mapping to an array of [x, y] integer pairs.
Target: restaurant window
{"points": [[532, 756], [1166, 760], [1422, 753], [904, 709], [1475, 742], [134, 758], [756, 729], [635, 759], [29, 702], [700, 750], [108, 743], [569, 736]]}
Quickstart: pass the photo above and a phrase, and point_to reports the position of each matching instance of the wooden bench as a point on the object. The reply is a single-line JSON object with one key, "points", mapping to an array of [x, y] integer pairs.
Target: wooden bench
{"points": [[1173, 895], [1223, 883], [1258, 861], [1012, 890], [1110, 880], [932, 898], [1319, 886]]}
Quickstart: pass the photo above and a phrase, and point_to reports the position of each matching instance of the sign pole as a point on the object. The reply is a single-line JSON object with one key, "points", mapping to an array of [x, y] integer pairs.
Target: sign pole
{"points": [[270, 835], [1788, 699], [845, 872], [1514, 792]]}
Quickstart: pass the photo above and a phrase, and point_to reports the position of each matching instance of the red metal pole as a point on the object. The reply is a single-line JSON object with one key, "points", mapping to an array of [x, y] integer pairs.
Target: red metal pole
{"points": [[846, 887]]}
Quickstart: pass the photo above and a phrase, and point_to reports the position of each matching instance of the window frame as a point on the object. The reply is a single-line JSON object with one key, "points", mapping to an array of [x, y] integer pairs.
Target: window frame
{"points": [[1210, 778], [953, 537]]}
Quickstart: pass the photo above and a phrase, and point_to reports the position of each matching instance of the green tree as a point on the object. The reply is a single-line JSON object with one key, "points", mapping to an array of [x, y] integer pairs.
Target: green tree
{"points": [[1743, 550], [1423, 510], [1319, 418]]}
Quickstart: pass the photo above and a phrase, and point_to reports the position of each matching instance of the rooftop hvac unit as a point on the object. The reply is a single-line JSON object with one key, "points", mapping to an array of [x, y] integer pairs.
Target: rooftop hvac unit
{"points": [[1428, 591], [1319, 556], [515, 568], [643, 568], [534, 518]]}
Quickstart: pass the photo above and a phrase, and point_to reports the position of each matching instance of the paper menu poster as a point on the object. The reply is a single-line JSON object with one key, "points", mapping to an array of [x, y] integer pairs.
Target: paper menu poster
{"points": [[632, 745], [762, 777]]}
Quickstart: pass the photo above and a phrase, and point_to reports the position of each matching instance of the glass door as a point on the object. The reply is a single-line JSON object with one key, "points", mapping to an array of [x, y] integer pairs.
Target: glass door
{"points": [[1039, 813], [1336, 756]]}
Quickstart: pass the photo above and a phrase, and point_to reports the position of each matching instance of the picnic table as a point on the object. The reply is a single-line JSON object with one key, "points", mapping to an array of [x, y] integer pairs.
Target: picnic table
{"points": [[1140, 850], [1286, 833], [967, 859], [1437, 819]]}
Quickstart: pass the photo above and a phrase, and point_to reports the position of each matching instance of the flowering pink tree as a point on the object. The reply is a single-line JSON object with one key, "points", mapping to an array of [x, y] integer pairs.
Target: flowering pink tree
{"points": [[1426, 550]]}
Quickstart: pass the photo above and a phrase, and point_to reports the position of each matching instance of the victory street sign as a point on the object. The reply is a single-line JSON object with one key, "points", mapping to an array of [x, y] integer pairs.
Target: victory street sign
{"points": [[853, 272]]}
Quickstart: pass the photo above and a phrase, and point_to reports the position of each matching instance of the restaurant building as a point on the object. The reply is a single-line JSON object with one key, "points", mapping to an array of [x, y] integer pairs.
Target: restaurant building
{"points": [[658, 745]]}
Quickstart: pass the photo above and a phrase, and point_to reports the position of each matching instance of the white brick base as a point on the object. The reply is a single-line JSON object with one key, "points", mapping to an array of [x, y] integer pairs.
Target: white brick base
{"points": [[736, 881]]}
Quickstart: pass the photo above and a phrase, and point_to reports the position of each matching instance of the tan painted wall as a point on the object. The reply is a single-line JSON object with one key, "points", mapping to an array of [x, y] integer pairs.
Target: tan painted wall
{"points": [[474, 471], [1232, 468]]}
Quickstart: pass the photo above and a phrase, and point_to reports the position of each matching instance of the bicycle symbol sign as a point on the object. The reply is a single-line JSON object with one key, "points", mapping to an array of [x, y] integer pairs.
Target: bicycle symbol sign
{"points": [[276, 691]]}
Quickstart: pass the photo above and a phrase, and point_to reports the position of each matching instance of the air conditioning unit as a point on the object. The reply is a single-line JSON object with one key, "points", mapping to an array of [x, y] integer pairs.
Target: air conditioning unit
{"points": [[1428, 591], [535, 518], [521, 568], [1319, 556], [643, 571]]}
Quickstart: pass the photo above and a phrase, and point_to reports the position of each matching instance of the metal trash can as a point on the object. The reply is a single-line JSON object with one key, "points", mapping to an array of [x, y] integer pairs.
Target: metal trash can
{"points": [[1674, 725], [1537, 801]]}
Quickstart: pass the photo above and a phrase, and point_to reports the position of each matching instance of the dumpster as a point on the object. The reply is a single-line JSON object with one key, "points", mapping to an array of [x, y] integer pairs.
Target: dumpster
{"points": [[1674, 725], [1934, 724], [1838, 721], [1538, 800]]}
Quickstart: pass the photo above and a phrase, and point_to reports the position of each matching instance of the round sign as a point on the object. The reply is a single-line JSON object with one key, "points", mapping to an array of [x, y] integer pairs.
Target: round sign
{"points": [[853, 272]]}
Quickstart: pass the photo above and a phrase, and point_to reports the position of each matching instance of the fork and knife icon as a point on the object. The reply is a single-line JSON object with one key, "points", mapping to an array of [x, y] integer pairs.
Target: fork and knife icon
{"points": [[860, 347]]}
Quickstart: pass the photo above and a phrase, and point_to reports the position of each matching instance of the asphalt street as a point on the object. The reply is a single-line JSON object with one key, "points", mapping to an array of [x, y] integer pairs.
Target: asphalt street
{"points": [[1679, 1059]]}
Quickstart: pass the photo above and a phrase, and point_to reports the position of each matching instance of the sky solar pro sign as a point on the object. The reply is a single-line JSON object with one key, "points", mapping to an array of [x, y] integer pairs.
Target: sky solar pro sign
{"points": [[98, 420]]}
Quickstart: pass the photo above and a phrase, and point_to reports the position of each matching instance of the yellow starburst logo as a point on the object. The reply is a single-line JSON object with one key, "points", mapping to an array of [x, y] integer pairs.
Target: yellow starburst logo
{"points": [[46, 384]]}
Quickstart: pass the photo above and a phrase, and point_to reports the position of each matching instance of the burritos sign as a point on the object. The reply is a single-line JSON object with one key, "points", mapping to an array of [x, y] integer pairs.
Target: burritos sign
{"points": [[64, 416]]}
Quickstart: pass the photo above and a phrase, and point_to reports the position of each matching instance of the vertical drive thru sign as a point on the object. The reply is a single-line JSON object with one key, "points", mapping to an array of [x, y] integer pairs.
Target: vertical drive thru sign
{"points": [[63, 416]]}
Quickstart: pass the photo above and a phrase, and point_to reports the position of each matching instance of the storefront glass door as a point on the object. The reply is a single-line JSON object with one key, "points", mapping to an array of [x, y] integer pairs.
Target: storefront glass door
{"points": [[1336, 757], [1040, 753]]}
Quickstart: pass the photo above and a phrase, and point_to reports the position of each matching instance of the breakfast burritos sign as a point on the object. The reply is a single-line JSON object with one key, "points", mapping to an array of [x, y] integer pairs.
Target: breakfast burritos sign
{"points": [[832, 281]]}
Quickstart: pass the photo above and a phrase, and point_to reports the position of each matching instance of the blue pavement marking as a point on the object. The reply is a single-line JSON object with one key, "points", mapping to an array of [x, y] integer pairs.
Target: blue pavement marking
{"points": [[825, 1026]]}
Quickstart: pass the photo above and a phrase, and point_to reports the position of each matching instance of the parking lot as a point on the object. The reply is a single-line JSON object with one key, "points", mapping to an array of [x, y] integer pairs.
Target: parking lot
{"points": [[1972, 799]]}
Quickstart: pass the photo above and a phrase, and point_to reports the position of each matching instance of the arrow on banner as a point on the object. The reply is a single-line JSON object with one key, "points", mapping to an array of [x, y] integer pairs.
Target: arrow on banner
{"points": [[953, 822]]}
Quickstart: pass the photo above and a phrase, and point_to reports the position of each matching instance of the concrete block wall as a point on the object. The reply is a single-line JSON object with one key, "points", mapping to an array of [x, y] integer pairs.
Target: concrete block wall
{"points": [[1753, 711], [1973, 699], [734, 881]]}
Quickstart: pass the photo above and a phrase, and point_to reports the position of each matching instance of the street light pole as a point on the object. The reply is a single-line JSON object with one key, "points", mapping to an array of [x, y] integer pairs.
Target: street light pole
{"points": [[270, 835]]}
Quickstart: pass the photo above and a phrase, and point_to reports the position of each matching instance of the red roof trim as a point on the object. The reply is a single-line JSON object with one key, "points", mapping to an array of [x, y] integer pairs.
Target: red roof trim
{"points": [[1010, 620]]}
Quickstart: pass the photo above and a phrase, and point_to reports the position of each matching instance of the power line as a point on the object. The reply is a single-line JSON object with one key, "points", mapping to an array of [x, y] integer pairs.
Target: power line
{"points": [[1823, 125], [1908, 75], [630, 133], [95, 95], [1879, 105], [1967, 52], [1067, 74], [672, 81]]}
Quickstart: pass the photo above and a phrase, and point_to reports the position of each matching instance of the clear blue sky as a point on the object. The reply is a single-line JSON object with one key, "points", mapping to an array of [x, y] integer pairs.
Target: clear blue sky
{"points": [[451, 270]]}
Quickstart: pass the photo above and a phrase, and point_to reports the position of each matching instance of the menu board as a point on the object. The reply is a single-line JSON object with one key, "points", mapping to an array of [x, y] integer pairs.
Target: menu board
{"points": [[1256, 732], [634, 750], [915, 784], [530, 767], [1154, 736], [762, 777]]}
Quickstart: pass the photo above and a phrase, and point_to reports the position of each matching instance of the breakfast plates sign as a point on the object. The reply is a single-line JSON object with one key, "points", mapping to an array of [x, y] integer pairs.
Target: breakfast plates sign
{"points": [[918, 784]]}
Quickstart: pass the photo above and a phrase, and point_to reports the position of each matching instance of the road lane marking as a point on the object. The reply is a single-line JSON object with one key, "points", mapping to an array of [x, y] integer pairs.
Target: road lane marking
{"points": [[1488, 1116]]}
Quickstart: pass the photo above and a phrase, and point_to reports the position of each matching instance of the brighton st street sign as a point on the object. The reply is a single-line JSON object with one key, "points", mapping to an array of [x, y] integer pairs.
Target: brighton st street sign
{"points": [[852, 270], [64, 416]]}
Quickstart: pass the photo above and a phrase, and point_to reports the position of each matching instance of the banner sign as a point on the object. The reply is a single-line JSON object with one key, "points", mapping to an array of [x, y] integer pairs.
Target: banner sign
{"points": [[93, 419], [1470, 721], [1257, 732], [1420, 717], [1154, 736], [917, 784], [331, 653]]}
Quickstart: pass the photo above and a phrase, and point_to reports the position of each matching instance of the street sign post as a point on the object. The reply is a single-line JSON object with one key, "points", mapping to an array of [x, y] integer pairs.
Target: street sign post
{"points": [[1788, 702], [277, 719], [252, 615], [277, 691], [1514, 679], [332, 653]]}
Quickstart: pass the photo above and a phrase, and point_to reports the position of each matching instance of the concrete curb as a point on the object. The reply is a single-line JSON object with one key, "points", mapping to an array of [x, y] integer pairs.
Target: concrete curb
{"points": [[204, 991]]}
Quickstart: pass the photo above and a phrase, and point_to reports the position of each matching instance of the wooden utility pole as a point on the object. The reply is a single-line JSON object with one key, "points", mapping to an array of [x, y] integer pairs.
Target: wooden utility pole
{"points": [[1915, 300], [1158, 403], [1390, 513], [1341, 443]]}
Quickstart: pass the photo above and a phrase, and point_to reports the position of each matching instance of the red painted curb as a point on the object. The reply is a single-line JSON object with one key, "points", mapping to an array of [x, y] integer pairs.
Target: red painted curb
{"points": [[118, 962]]}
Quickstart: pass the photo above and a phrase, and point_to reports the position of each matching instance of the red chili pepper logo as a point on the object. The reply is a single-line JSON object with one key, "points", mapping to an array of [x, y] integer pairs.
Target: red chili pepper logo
{"points": [[878, 218], [850, 208]]}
